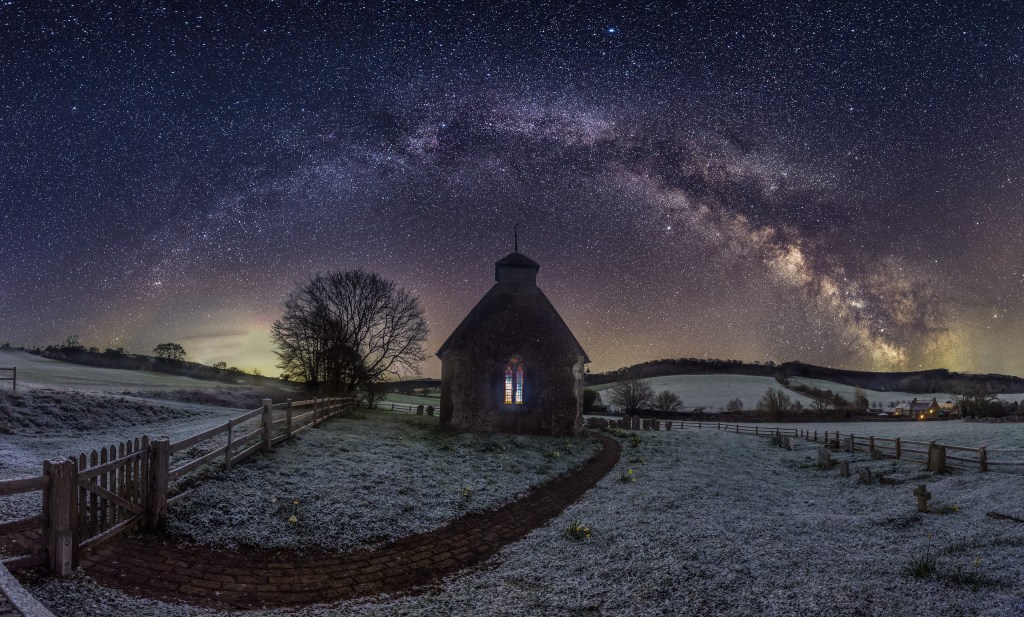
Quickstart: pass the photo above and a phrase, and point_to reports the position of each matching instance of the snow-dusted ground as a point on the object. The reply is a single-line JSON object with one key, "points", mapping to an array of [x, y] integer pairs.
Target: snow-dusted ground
{"points": [[875, 397], [713, 392], [36, 371], [369, 479], [721, 524], [995, 435], [411, 399]]}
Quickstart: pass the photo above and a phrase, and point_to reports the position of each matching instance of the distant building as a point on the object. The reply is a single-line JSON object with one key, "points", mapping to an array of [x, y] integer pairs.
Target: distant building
{"points": [[513, 365], [919, 409]]}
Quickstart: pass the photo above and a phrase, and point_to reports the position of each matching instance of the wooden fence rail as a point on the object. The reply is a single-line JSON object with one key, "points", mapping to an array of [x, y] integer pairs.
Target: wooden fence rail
{"points": [[91, 498], [937, 456], [10, 374]]}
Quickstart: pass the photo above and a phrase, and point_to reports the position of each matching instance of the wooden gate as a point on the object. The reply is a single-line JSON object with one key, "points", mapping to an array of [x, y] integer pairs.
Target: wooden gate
{"points": [[111, 490]]}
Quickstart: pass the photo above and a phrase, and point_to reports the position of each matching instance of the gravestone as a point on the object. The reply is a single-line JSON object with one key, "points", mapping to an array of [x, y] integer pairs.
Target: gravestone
{"points": [[824, 458], [635, 423], [844, 469], [848, 445], [936, 458], [865, 475], [647, 424], [668, 425], [922, 494], [791, 443], [656, 425], [876, 453], [430, 410], [419, 410]]}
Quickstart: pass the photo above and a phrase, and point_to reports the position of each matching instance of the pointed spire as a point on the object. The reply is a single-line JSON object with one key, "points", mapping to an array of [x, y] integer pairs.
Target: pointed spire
{"points": [[515, 236]]}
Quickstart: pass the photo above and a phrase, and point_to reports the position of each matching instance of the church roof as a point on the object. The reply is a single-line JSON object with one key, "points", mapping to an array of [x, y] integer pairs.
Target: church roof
{"points": [[517, 259], [515, 288]]}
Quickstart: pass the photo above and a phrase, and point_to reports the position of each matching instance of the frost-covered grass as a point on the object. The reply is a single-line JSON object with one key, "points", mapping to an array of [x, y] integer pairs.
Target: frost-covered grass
{"points": [[410, 399], [36, 371], [365, 480], [995, 435], [713, 392], [719, 524], [882, 399], [46, 411], [238, 397]]}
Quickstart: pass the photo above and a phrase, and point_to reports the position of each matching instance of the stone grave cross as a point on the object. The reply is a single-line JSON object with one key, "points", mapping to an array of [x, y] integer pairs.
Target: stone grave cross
{"points": [[922, 494]]}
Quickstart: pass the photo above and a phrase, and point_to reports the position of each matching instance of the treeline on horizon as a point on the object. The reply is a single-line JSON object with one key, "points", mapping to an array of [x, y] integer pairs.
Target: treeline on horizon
{"points": [[914, 382]]}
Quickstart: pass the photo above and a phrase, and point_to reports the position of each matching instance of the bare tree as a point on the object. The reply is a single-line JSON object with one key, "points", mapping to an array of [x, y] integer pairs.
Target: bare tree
{"points": [[775, 403], [735, 406], [860, 401], [632, 394], [347, 330], [668, 402]]}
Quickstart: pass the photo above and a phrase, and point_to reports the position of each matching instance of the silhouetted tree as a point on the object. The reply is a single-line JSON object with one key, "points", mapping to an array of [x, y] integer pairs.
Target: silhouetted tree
{"points": [[775, 403], [860, 401], [169, 351], [735, 405], [347, 330], [632, 394], [668, 402]]}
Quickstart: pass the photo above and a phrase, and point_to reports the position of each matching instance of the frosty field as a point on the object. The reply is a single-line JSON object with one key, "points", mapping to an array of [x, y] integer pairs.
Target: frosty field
{"points": [[365, 480], [995, 435], [875, 397], [721, 524], [36, 371], [713, 392]]}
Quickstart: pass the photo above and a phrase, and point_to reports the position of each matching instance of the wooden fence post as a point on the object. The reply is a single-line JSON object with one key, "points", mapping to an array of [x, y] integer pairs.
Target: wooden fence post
{"points": [[983, 458], [268, 419], [227, 448], [288, 424], [62, 511], [159, 473], [899, 450]]}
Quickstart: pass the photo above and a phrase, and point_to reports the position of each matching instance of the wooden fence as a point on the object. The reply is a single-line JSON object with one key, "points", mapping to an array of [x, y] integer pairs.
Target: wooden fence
{"points": [[11, 375], [936, 456], [409, 408], [89, 499]]}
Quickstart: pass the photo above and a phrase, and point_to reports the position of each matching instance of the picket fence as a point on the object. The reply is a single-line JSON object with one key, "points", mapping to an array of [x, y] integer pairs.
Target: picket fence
{"points": [[89, 499]]}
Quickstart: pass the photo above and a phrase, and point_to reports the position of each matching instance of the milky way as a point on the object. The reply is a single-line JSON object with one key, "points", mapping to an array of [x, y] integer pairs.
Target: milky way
{"points": [[834, 185]]}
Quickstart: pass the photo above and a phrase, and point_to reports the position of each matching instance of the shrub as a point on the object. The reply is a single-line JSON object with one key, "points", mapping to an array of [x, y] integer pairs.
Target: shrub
{"points": [[577, 531]]}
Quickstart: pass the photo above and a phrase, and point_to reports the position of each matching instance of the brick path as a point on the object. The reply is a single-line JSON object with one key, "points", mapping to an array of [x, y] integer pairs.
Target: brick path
{"points": [[152, 566]]}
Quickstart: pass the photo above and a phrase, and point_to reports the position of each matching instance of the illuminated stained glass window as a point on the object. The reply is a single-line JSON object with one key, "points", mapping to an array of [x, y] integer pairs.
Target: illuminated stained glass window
{"points": [[514, 381], [519, 385], [508, 385]]}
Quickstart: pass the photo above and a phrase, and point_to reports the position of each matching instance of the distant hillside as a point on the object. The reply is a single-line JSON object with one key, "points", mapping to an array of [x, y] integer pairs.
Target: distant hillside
{"points": [[935, 380], [118, 359]]}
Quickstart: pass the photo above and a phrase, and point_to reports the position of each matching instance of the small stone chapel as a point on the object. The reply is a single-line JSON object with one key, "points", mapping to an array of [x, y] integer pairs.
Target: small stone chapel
{"points": [[513, 365]]}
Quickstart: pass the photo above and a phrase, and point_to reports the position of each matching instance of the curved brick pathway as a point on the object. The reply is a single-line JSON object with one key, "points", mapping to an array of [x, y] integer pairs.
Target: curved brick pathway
{"points": [[154, 567]]}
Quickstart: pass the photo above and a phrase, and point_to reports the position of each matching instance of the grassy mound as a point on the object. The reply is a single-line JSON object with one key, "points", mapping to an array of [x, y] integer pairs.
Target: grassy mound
{"points": [[37, 411]]}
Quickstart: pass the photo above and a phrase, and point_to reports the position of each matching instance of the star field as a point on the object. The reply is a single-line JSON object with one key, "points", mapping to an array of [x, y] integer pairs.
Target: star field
{"points": [[840, 185]]}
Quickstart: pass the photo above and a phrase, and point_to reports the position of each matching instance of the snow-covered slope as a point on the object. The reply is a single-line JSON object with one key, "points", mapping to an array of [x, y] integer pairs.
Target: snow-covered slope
{"points": [[38, 372], [713, 392], [882, 399]]}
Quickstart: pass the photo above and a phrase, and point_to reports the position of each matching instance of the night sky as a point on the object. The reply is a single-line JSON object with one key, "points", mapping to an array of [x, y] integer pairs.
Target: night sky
{"points": [[839, 185]]}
